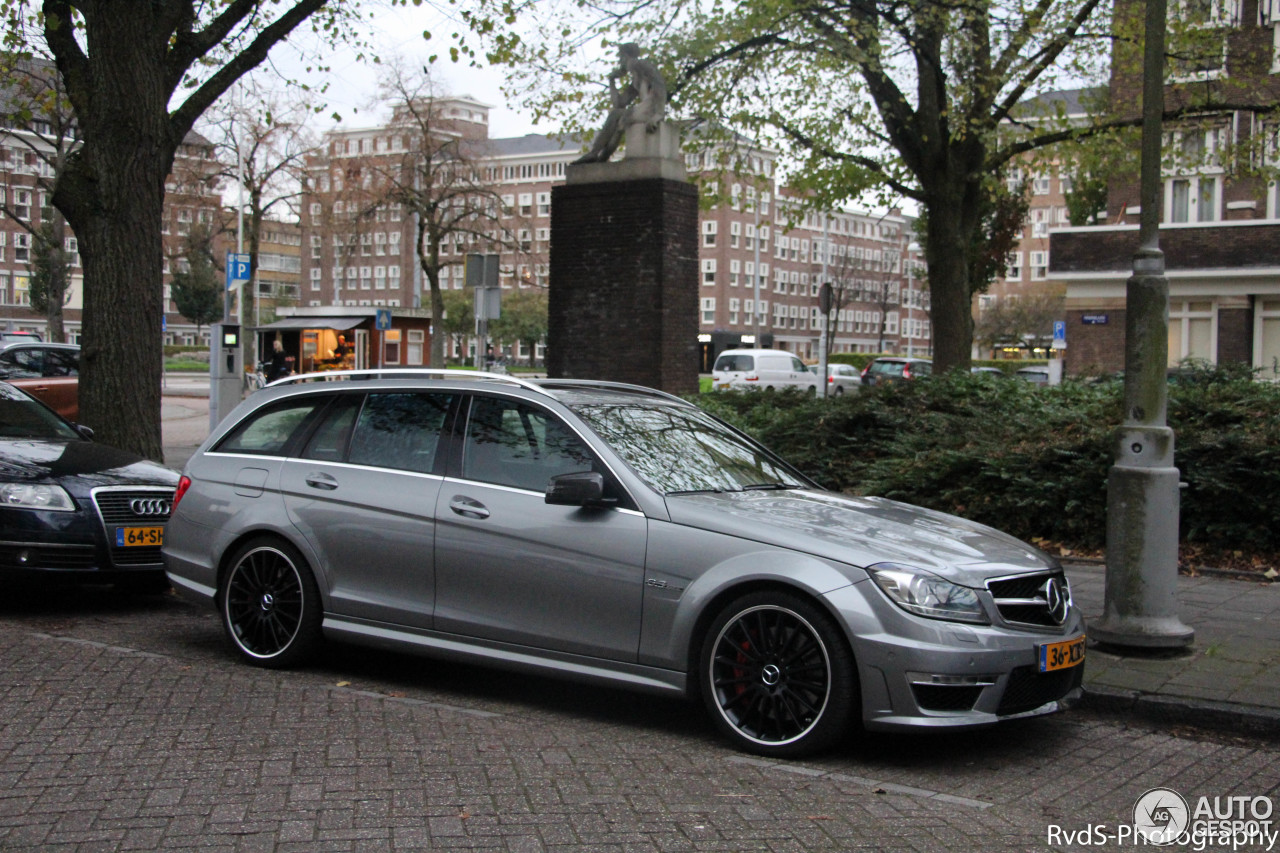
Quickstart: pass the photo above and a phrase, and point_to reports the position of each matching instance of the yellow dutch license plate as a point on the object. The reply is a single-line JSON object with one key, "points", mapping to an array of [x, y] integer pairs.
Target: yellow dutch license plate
{"points": [[722, 385], [127, 537], [1062, 655]]}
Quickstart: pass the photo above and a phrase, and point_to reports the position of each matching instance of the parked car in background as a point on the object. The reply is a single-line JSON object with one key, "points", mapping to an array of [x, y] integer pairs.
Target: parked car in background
{"points": [[1038, 375], [895, 369], [71, 508], [441, 515], [988, 371], [840, 378], [760, 369], [10, 336], [48, 372]]}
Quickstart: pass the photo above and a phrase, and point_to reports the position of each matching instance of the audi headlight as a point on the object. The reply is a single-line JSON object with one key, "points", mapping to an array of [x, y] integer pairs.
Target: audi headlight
{"points": [[36, 496], [925, 594]]}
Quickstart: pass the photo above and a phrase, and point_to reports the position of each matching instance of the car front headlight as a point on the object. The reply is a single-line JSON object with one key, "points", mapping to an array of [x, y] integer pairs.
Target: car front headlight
{"points": [[35, 496], [925, 594]]}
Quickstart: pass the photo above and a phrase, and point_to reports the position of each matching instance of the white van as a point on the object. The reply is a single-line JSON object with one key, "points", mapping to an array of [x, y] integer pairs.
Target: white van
{"points": [[762, 369]]}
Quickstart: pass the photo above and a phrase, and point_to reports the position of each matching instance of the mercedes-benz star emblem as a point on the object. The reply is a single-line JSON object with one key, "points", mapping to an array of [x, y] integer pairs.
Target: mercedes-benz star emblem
{"points": [[1057, 599]]}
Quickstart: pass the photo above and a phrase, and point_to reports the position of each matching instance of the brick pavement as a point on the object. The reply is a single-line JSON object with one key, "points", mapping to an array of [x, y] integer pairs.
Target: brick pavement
{"points": [[126, 724]]}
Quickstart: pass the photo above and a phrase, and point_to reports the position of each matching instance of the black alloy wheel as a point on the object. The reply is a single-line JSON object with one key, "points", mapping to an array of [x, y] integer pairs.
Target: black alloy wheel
{"points": [[270, 604], [777, 676]]}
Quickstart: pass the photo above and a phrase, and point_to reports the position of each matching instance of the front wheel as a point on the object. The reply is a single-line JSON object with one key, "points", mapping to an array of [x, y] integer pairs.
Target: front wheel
{"points": [[270, 604], [777, 675]]}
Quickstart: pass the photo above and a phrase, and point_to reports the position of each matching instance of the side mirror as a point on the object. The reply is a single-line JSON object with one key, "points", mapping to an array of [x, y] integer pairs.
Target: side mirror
{"points": [[585, 488], [84, 431]]}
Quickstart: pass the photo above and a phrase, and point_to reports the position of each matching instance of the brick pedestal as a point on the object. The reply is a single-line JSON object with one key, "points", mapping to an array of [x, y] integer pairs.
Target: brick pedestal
{"points": [[624, 281]]}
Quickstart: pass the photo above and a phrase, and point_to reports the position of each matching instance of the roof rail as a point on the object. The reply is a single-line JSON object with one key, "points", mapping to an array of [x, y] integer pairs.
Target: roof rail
{"points": [[609, 385], [407, 372]]}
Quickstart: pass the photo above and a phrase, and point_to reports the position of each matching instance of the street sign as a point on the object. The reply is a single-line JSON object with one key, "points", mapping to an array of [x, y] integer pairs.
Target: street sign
{"points": [[237, 269], [482, 271], [383, 320], [1059, 330]]}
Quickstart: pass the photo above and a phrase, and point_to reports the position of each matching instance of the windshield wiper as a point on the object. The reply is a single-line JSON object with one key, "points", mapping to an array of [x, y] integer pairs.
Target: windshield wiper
{"points": [[770, 487], [697, 492]]}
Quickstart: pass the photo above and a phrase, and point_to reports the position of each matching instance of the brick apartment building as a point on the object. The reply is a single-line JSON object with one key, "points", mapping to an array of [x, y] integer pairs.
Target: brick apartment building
{"points": [[192, 196], [1220, 222], [359, 250]]}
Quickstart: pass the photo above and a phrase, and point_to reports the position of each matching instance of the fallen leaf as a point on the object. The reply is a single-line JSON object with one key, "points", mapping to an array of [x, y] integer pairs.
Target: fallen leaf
{"points": [[344, 683]]}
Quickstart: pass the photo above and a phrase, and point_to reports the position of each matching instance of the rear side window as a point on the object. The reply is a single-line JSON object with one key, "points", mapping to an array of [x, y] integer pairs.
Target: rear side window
{"points": [[887, 368], [268, 431], [61, 363], [735, 363], [400, 431]]}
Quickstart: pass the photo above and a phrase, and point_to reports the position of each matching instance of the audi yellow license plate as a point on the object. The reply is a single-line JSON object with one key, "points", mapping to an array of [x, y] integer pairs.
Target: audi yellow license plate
{"points": [[1062, 655], [127, 537]]}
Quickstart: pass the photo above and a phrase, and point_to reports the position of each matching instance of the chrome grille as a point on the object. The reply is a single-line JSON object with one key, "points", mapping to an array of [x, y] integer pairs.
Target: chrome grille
{"points": [[1025, 599], [133, 507]]}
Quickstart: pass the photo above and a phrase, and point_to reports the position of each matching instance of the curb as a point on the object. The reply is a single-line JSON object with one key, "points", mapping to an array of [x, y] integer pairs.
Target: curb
{"points": [[1225, 717]]}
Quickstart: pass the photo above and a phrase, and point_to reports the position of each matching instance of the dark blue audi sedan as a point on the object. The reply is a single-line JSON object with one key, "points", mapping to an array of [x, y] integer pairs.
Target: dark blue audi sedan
{"points": [[75, 509]]}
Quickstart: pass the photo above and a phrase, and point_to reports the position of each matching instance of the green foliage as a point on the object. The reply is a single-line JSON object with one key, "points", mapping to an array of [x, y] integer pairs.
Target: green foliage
{"points": [[50, 271], [1028, 460], [197, 291], [523, 320]]}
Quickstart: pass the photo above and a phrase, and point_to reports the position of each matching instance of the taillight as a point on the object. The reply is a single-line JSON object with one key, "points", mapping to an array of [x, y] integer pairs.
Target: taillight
{"points": [[183, 484], [906, 371], [865, 369], [830, 379], [751, 377]]}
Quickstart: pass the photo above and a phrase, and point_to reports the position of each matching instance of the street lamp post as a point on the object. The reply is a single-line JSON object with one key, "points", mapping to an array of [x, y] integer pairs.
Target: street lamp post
{"points": [[1140, 609]]}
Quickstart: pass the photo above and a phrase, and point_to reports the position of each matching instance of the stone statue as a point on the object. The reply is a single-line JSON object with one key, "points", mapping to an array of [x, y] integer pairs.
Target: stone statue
{"points": [[643, 101]]}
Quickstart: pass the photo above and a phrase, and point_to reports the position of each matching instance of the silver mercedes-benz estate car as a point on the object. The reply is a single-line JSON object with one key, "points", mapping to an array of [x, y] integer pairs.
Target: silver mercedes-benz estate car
{"points": [[613, 533]]}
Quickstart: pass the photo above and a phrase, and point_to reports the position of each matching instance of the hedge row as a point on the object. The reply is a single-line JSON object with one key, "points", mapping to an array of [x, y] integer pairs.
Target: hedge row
{"points": [[1008, 365], [1032, 461]]}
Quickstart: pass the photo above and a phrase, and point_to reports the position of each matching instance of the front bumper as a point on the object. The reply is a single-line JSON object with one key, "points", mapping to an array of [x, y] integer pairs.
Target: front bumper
{"points": [[927, 673]]}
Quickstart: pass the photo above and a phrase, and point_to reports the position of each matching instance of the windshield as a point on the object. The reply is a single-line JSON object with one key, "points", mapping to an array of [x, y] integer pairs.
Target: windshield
{"points": [[23, 417], [678, 450]]}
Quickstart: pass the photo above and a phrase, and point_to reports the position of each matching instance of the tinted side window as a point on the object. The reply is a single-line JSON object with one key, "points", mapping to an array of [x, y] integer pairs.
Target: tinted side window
{"points": [[400, 431], [797, 365], [22, 364], [61, 363], [329, 442], [511, 444], [267, 432]]}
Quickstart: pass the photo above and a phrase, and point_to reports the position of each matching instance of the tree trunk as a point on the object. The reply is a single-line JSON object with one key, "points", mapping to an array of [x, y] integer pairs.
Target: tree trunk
{"points": [[952, 223], [112, 195]]}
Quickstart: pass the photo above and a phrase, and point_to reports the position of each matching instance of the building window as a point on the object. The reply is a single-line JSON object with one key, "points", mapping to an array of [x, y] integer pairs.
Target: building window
{"points": [[1013, 267], [709, 232], [1193, 331], [709, 271], [393, 278], [1039, 266], [413, 355], [315, 278], [708, 310]]}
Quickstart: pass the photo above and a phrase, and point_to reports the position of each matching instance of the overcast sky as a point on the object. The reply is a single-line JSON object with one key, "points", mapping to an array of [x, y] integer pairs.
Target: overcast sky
{"points": [[353, 84]]}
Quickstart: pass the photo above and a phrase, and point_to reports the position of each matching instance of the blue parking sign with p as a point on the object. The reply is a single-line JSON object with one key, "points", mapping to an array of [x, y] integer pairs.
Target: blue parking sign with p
{"points": [[237, 269]]}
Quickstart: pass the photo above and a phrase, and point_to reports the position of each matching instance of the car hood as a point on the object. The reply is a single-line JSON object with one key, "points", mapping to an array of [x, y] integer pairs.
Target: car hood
{"points": [[862, 531], [78, 465]]}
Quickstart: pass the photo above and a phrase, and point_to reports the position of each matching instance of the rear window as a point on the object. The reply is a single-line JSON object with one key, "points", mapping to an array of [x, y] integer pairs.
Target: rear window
{"points": [[735, 363], [887, 368]]}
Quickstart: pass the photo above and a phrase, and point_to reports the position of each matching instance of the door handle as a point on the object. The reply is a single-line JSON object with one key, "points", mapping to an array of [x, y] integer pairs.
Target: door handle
{"points": [[322, 481], [467, 506]]}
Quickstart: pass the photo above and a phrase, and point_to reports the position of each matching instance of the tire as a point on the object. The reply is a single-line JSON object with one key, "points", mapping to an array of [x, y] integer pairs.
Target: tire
{"points": [[270, 604], [839, 390], [777, 676]]}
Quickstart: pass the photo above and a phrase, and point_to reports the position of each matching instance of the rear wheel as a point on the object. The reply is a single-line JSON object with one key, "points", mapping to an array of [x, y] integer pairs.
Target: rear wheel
{"points": [[270, 604], [777, 676]]}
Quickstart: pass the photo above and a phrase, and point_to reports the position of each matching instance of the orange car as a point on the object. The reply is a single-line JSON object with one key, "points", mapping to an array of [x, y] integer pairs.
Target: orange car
{"points": [[48, 372]]}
